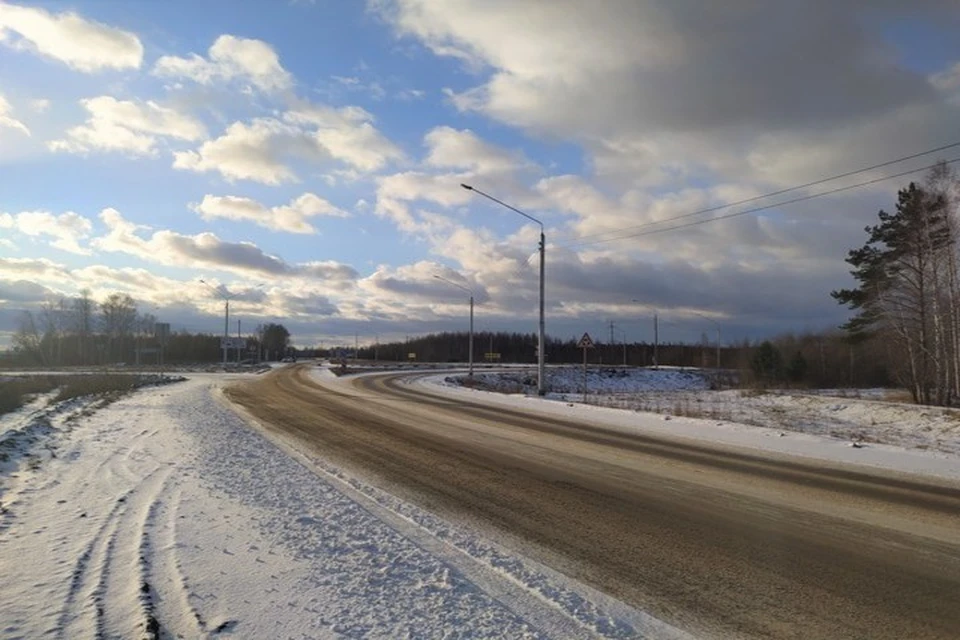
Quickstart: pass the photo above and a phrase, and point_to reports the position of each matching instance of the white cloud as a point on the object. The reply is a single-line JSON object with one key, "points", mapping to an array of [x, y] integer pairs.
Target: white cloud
{"points": [[948, 82], [35, 268], [348, 135], [206, 250], [658, 95], [564, 67], [66, 229], [292, 217], [415, 285], [230, 58], [24, 292], [8, 121], [127, 126], [409, 95], [394, 192], [450, 148], [474, 161], [362, 146], [373, 88], [172, 248], [40, 105], [350, 81], [948, 79], [263, 149], [82, 44], [257, 151]]}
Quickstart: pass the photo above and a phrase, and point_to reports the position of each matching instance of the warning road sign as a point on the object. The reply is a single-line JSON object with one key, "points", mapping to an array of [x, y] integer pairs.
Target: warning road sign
{"points": [[586, 342]]}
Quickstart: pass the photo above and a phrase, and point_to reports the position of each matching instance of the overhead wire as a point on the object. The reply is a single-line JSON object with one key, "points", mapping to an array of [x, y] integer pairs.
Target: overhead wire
{"points": [[771, 194], [761, 208]]}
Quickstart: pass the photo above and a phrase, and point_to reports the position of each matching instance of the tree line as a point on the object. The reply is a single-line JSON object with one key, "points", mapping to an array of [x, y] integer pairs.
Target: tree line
{"points": [[80, 331], [816, 360]]}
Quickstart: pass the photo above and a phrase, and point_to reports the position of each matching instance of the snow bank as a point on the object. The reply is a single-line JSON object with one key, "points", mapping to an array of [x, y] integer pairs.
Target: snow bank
{"points": [[564, 380], [907, 438]]}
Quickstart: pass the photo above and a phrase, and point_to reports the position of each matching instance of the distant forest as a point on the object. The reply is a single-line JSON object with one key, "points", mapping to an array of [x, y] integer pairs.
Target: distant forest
{"points": [[808, 360]]}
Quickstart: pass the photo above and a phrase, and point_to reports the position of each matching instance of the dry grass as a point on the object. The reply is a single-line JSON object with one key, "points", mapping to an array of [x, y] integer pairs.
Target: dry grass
{"points": [[99, 384], [898, 395], [16, 391]]}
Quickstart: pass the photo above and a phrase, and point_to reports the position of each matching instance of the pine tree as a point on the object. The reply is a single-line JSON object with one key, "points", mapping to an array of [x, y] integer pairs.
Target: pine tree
{"points": [[767, 363], [797, 367], [897, 272]]}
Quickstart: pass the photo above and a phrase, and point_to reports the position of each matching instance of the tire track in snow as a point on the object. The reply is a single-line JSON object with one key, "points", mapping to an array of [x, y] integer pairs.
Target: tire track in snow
{"points": [[167, 599], [105, 596], [76, 618]]}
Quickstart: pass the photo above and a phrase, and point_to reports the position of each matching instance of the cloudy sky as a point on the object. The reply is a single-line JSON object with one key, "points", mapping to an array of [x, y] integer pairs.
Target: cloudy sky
{"points": [[308, 157]]}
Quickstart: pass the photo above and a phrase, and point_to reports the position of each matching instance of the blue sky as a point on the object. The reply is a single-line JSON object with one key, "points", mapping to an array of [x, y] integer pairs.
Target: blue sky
{"points": [[314, 150]]}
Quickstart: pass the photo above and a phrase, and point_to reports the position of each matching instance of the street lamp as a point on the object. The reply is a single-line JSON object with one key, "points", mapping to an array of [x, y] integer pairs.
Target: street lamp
{"points": [[470, 291], [624, 335], [717, 325], [222, 293], [656, 336], [541, 346]]}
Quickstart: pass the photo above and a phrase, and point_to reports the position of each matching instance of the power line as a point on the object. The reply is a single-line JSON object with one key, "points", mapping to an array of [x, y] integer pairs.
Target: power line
{"points": [[768, 195], [763, 208]]}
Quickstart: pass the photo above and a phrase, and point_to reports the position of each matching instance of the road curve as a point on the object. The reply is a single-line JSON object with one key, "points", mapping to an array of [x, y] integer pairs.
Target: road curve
{"points": [[722, 542]]}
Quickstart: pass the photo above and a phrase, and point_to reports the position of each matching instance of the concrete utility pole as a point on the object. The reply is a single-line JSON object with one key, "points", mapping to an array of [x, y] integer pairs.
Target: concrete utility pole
{"points": [[226, 316], [470, 339], [541, 341], [717, 327], [656, 340], [656, 336]]}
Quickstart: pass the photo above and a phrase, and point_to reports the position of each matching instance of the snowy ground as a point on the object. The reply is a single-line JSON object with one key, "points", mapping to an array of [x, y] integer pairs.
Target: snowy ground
{"points": [[167, 515], [824, 425]]}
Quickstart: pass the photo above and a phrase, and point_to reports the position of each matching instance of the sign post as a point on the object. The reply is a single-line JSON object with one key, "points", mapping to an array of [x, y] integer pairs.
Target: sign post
{"points": [[586, 342]]}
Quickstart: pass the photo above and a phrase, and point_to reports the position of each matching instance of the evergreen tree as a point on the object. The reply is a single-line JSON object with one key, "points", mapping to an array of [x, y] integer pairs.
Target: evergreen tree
{"points": [[766, 363], [797, 368], [897, 272]]}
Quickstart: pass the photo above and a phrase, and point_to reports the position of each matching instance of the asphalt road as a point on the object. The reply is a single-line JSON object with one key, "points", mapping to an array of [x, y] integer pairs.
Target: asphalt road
{"points": [[721, 542]]}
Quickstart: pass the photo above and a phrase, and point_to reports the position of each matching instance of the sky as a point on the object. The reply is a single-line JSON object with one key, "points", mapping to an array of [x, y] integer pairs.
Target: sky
{"points": [[305, 159]]}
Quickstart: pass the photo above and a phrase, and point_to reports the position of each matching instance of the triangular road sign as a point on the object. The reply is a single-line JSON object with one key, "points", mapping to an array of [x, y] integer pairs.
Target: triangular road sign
{"points": [[586, 342]]}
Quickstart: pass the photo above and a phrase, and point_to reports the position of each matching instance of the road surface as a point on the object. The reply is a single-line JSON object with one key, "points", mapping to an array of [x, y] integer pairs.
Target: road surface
{"points": [[721, 542]]}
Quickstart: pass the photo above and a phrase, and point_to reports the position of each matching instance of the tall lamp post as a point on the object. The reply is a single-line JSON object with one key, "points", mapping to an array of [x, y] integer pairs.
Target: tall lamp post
{"points": [[717, 325], [222, 293], [541, 346], [469, 291], [623, 334], [656, 336]]}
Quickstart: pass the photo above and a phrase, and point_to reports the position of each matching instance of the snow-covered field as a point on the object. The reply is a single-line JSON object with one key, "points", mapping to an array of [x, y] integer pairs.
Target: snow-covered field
{"points": [[167, 515], [861, 416]]}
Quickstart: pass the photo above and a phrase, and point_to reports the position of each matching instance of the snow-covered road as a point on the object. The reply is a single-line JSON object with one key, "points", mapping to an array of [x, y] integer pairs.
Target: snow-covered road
{"points": [[166, 515]]}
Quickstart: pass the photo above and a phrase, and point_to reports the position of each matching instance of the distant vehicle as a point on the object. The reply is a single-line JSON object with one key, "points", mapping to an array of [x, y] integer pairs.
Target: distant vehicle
{"points": [[289, 359]]}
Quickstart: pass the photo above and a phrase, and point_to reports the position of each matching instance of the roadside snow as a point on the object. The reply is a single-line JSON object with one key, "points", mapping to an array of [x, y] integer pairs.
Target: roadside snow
{"points": [[167, 515], [899, 437], [19, 418], [565, 380]]}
